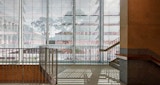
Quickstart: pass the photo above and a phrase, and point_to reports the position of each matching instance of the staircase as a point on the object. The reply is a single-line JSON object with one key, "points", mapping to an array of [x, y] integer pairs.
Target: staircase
{"points": [[115, 63]]}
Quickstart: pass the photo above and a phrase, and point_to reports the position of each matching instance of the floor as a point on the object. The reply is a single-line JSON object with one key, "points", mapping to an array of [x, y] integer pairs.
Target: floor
{"points": [[84, 75], [89, 75]]}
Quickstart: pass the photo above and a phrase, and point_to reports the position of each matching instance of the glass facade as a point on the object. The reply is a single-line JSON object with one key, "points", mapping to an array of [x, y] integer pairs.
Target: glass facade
{"points": [[77, 28]]}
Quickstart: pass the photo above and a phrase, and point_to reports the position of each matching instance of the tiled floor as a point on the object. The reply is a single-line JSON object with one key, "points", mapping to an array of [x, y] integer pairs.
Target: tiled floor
{"points": [[89, 75], [85, 75]]}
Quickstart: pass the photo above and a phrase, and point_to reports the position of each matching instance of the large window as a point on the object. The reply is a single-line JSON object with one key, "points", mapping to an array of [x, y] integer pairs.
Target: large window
{"points": [[33, 23], [9, 22], [111, 26], [77, 28]]}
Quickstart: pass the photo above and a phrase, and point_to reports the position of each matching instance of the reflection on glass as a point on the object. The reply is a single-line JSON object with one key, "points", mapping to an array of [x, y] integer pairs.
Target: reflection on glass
{"points": [[9, 23], [111, 27], [73, 26]]}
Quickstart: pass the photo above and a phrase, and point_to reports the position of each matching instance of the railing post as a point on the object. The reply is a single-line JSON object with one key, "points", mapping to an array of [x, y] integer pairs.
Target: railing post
{"points": [[45, 62], [74, 31], [52, 59], [101, 30], [56, 66]]}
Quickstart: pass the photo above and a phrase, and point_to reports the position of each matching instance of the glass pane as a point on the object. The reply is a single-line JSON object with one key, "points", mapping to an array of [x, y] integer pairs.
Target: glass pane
{"points": [[111, 20], [34, 23], [9, 16], [111, 27], [112, 7], [87, 31]]}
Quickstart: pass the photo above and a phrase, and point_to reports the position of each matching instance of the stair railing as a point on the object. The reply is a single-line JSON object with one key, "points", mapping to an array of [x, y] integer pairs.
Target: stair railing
{"points": [[48, 61], [112, 44], [109, 52]]}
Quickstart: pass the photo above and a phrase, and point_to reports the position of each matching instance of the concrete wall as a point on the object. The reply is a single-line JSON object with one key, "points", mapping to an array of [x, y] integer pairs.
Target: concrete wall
{"points": [[123, 70], [144, 24], [124, 23]]}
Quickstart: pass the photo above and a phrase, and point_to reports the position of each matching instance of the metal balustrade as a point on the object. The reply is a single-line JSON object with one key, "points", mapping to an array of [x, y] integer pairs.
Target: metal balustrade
{"points": [[27, 65], [84, 54], [47, 58], [48, 63], [19, 56]]}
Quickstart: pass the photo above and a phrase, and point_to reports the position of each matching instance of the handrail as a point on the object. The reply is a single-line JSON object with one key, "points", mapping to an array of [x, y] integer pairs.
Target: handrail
{"points": [[147, 55], [110, 46]]}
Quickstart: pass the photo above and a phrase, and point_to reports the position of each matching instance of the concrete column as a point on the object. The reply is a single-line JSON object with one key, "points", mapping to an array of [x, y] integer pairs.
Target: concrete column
{"points": [[123, 26], [123, 39]]}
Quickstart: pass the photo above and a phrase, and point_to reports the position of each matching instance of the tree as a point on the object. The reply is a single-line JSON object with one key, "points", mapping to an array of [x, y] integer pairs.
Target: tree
{"points": [[40, 24], [57, 23]]}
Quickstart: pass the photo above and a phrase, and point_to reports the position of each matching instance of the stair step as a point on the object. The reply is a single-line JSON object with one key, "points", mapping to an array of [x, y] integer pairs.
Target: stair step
{"points": [[115, 63]]}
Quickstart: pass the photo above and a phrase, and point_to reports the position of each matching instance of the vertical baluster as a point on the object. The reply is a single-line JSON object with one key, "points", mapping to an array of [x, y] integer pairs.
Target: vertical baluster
{"points": [[93, 57], [35, 66], [49, 61], [114, 48], [52, 59], [87, 54], [22, 66], [95, 54], [92, 54], [36, 75], [18, 65], [42, 63], [6, 63], [45, 63], [39, 62], [15, 54], [12, 53], [28, 60], [11, 58], [6, 56], [31, 64], [40, 54], [28, 68], [56, 66], [2, 63], [84, 55]]}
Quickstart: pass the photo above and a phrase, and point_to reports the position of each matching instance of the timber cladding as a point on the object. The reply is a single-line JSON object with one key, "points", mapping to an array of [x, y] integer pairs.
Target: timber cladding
{"points": [[21, 74]]}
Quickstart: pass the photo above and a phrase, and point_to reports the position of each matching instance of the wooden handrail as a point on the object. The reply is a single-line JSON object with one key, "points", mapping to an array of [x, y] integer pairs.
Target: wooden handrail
{"points": [[110, 46], [141, 57]]}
